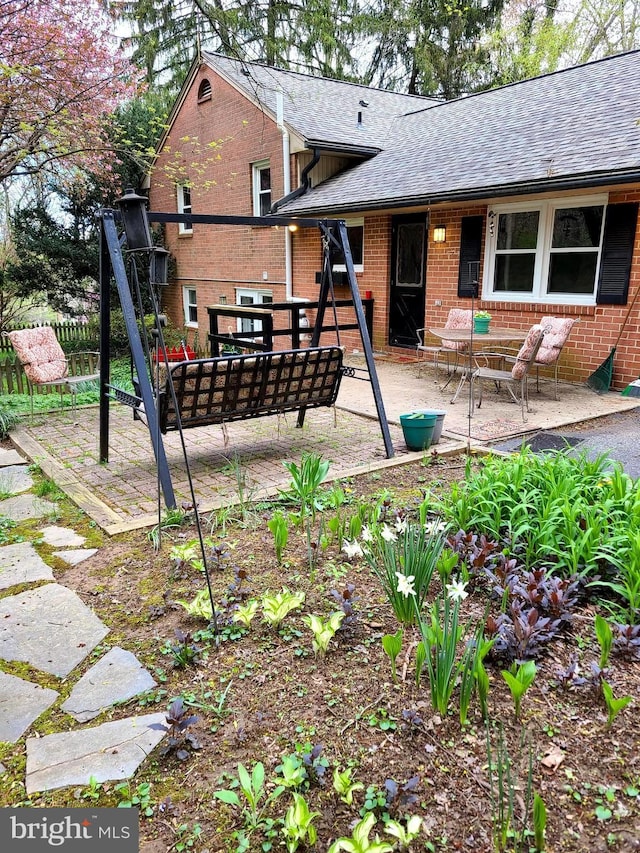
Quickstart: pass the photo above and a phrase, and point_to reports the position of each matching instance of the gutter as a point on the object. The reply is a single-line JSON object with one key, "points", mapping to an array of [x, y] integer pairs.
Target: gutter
{"points": [[305, 183]]}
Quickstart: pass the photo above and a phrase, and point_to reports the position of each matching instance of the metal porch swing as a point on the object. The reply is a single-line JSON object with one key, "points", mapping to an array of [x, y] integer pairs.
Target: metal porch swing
{"points": [[224, 388]]}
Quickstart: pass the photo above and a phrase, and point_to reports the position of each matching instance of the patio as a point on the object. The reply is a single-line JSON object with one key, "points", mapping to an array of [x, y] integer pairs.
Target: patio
{"points": [[122, 495]]}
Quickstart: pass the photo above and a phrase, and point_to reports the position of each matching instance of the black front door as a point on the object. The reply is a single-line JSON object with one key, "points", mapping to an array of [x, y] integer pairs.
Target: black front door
{"points": [[408, 266]]}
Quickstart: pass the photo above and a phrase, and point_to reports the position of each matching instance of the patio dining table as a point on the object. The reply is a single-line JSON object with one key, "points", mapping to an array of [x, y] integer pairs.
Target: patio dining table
{"points": [[476, 341]]}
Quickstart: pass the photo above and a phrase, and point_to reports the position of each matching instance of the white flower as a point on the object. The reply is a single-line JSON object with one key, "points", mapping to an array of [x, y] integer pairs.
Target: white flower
{"points": [[351, 549], [387, 533], [401, 525], [456, 590], [434, 526], [406, 584], [367, 535]]}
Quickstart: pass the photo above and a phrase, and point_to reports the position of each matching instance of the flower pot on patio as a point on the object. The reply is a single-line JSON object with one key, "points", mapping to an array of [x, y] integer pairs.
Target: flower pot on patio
{"points": [[437, 430], [418, 428], [481, 325]]}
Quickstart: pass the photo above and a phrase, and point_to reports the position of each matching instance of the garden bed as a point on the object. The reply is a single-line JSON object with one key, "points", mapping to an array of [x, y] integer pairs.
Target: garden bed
{"points": [[263, 695]]}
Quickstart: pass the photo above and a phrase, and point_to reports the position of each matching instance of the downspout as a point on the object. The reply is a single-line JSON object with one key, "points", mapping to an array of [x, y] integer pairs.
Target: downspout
{"points": [[286, 170]]}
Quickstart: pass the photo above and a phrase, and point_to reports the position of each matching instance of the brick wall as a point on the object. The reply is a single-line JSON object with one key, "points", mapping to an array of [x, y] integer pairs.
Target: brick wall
{"points": [[213, 144]]}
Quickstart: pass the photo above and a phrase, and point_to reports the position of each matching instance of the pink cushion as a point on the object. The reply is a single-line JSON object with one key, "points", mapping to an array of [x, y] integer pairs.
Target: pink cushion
{"points": [[557, 331], [527, 349], [40, 354], [459, 318]]}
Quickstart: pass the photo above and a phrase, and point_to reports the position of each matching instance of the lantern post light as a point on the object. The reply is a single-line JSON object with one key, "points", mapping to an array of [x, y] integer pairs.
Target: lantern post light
{"points": [[136, 223]]}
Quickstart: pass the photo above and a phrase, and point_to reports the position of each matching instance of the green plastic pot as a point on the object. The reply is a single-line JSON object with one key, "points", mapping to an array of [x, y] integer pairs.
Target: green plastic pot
{"points": [[418, 428], [481, 325]]}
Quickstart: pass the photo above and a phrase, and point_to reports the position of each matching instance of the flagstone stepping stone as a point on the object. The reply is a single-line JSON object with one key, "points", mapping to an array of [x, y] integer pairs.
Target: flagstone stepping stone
{"points": [[10, 457], [23, 507], [108, 752], [62, 537], [21, 702], [72, 558], [15, 479], [116, 677], [21, 563], [49, 627]]}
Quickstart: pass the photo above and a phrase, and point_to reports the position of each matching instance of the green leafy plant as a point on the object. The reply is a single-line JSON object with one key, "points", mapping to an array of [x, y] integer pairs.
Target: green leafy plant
{"points": [[360, 841], [277, 606], [405, 834], [441, 637], [323, 631], [280, 529], [539, 822], [604, 635], [245, 612], [507, 831], [187, 837], [298, 828], [614, 706], [199, 607], [177, 721], [392, 644], [92, 791], [344, 785], [304, 488], [519, 681], [404, 550], [138, 797], [255, 799], [185, 652], [8, 420], [292, 772]]}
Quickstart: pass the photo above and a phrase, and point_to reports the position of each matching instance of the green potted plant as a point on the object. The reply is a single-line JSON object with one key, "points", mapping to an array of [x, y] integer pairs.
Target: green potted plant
{"points": [[481, 320]]}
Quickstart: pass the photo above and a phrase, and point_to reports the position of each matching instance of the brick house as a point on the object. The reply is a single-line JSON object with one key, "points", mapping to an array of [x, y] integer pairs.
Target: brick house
{"points": [[532, 189]]}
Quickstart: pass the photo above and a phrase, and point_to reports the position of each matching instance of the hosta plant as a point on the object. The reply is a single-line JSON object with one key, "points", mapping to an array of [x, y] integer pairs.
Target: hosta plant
{"points": [[245, 613], [323, 630], [199, 607], [344, 785], [277, 606], [360, 841], [297, 826]]}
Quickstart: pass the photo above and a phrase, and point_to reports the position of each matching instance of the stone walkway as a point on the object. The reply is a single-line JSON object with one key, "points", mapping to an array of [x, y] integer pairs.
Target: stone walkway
{"points": [[47, 628]]}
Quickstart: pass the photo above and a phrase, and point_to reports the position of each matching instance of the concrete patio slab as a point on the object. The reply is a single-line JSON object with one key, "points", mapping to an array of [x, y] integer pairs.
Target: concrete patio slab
{"points": [[122, 495], [61, 537], [108, 752], [21, 702], [20, 563], [24, 507], [49, 628], [73, 558], [116, 677], [15, 479]]}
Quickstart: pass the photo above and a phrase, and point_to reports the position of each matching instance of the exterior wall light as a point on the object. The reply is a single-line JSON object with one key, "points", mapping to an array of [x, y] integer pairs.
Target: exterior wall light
{"points": [[439, 234], [134, 218]]}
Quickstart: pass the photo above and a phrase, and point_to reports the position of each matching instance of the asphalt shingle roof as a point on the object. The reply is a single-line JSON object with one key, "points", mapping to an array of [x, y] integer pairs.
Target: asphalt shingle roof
{"points": [[574, 127], [321, 110]]}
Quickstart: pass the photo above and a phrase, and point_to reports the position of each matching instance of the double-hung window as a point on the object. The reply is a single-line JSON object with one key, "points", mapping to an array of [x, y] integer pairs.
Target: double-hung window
{"points": [[261, 188], [546, 251], [184, 206], [250, 299], [355, 233], [190, 305]]}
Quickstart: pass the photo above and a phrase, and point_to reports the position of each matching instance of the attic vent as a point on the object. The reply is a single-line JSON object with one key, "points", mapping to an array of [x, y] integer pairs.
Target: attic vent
{"points": [[204, 91]]}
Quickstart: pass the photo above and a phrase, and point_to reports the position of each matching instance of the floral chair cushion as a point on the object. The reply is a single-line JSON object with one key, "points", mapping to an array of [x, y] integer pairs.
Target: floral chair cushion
{"points": [[459, 318], [40, 354], [527, 352], [557, 330]]}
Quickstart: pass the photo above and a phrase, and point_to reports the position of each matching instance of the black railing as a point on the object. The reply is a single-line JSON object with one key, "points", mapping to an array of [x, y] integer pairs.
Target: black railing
{"points": [[262, 340]]}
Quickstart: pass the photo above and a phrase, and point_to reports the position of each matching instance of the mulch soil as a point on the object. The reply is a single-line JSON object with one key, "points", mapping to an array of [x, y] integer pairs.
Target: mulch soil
{"points": [[280, 697]]}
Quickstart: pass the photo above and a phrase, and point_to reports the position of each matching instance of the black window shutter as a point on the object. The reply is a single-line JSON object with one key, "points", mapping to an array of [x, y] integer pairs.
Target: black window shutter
{"points": [[617, 252], [470, 249]]}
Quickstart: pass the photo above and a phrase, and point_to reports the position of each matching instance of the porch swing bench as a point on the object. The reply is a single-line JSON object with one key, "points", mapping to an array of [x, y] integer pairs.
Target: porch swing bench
{"points": [[238, 387]]}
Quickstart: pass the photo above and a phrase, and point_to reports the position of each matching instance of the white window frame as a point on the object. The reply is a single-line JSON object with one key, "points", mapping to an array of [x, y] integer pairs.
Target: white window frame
{"points": [[546, 209], [184, 206], [187, 305], [356, 222], [251, 328], [256, 171]]}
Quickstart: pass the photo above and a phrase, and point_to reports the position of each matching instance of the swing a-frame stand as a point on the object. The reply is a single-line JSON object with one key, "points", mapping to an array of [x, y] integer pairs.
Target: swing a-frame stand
{"points": [[225, 388]]}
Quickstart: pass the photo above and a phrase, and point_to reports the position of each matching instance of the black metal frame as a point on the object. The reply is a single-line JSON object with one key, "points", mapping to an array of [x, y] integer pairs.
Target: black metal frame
{"points": [[334, 235]]}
